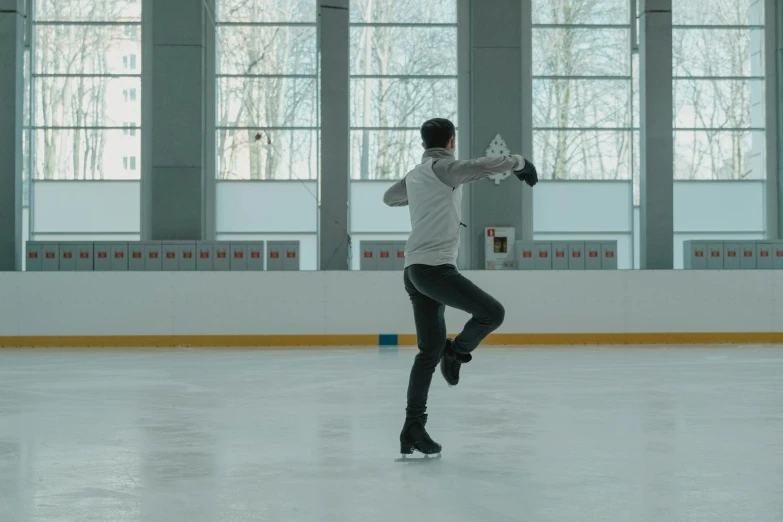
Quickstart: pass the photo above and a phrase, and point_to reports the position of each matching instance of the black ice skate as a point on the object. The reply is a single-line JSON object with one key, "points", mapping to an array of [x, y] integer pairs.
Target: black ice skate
{"points": [[415, 437], [451, 362]]}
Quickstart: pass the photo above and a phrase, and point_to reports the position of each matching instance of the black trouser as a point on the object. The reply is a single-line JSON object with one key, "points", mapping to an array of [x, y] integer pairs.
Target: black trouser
{"points": [[431, 289]]}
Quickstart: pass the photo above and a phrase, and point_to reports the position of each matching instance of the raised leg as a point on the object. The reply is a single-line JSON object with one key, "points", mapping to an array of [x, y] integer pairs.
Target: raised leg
{"points": [[444, 284]]}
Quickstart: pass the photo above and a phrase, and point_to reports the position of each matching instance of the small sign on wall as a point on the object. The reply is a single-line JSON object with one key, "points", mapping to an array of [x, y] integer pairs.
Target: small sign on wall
{"points": [[499, 248]]}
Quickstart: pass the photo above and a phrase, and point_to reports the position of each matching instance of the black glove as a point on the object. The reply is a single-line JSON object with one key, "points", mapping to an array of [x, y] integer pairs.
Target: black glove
{"points": [[528, 174]]}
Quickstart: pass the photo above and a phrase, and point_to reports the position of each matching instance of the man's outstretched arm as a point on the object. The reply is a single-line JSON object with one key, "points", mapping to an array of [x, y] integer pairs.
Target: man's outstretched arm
{"points": [[459, 172], [397, 195]]}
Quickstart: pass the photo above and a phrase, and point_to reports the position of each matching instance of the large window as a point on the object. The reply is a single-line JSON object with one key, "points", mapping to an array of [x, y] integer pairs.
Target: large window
{"points": [[582, 89], [585, 118], [403, 72], [85, 121], [718, 86], [267, 131], [719, 120], [267, 101], [87, 57]]}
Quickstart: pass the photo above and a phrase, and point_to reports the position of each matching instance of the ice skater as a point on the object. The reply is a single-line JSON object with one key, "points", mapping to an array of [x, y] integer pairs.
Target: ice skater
{"points": [[433, 193]]}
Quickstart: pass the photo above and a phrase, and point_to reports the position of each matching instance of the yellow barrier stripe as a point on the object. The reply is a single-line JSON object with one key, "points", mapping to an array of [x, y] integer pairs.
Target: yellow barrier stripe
{"points": [[152, 341], [250, 341], [637, 338]]}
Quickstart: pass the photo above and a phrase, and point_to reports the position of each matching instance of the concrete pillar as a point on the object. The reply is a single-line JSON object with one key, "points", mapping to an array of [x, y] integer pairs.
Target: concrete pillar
{"points": [[209, 192], [500, 102], [12, 21], [657, 146], [463, 122], [334, 44], [525, 230], [763, 156], [173, 122], [773, 70]]}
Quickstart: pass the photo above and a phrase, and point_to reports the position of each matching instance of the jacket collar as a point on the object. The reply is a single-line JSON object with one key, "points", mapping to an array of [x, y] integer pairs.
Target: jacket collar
{"points": [[436, 153]]}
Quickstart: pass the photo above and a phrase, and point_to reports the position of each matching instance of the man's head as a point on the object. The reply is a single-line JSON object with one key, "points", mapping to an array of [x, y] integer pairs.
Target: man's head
{"points": [[438, 132]]}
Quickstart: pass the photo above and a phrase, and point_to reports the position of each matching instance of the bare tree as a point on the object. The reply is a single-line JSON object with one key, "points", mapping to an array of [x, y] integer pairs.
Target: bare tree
{"points": [[283, 98], [709, 96], [712, 105], [585, 123], [391, 91], [73, 105], [272, 87]]}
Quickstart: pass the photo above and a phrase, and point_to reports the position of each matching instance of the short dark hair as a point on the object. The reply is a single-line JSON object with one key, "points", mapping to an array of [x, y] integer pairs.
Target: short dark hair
{"points": [[437, 132]]}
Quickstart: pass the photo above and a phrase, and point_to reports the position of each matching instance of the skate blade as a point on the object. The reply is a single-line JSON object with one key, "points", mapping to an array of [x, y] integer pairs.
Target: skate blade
{"points": [[419, 458]]}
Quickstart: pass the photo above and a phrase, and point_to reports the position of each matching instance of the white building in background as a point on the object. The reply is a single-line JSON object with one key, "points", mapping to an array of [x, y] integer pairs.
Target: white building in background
{"points": [[86, 103]]}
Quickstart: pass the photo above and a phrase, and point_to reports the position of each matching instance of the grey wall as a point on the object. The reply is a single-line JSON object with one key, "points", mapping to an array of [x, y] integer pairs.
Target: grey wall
{"points": [[657, 154], [172, 188], [333, 225], [774, 109], [12, 19]]}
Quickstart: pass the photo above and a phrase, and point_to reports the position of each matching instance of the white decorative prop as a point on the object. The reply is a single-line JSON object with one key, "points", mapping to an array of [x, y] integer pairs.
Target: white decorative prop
{"points": [[498, 147]]}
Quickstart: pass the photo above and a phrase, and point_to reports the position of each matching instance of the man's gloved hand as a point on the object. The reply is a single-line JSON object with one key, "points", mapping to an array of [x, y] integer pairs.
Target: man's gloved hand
{"points": [[527, 173]]}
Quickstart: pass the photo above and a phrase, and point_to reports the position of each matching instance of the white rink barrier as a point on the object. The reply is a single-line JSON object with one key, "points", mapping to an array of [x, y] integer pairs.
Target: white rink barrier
{"points": [[361, 308]]}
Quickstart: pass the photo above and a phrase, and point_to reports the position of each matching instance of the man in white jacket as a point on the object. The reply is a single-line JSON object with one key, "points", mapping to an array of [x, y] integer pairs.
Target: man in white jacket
{"points": [[433, 193]]}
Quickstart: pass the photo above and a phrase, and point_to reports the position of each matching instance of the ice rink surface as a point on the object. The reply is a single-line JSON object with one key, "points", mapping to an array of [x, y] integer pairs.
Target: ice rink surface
{"points": [[531, 434]]}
